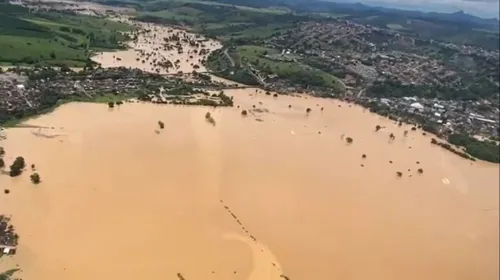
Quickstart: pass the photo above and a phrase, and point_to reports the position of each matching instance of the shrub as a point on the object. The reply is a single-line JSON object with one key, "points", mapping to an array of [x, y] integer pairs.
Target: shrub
{"points": [[17, 167], [35, 178]]}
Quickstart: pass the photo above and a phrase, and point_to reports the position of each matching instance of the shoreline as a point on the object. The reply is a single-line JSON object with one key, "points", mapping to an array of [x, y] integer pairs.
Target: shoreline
{"points": [[105, 59]]}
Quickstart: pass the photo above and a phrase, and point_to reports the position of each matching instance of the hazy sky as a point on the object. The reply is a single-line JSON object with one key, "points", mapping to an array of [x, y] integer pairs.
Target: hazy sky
{"points": [[483, 8]]}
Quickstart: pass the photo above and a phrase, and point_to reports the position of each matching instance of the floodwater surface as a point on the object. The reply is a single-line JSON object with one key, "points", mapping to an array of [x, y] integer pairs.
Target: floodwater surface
{"points": [[251, 198], [149, 48]]}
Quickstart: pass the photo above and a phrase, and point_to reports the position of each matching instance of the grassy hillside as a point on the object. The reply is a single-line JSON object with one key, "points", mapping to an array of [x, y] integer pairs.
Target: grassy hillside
{"points": [[267, 63], [54, 37]]}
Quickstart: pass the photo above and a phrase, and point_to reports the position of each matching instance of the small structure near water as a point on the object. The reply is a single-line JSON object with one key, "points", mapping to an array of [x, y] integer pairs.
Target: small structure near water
{"points": [[8, 237]]}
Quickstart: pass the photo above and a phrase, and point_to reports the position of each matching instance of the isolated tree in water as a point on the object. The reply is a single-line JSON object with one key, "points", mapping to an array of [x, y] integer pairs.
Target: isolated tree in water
{"points": [[2, 163], [349, 140], [35, 178], [378, 127], [17, 167]]}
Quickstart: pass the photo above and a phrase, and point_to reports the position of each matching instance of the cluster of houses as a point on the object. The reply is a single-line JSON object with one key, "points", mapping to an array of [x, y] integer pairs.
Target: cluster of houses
{"points": [[476, 118]]}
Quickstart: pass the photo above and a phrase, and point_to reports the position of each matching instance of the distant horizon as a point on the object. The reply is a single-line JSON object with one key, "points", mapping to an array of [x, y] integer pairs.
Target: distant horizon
{"points": [[487, 9]]}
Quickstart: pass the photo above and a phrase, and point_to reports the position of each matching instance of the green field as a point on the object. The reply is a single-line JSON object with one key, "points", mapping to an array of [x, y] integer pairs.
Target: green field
{"points": [[264, 60], [54, 38], [292, 70]]}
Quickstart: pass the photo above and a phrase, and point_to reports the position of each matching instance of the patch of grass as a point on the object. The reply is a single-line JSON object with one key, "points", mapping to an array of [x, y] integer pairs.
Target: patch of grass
{"points": [[31, 50], [260, 32], [54, 38], [261, 58], [7, 275]]}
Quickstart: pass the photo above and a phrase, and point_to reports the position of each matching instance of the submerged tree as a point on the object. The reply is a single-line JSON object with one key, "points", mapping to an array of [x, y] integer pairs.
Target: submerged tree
{"points": [[349, 140], [2, 151], [161, 124], [308, 110], [399, 174], [420, 170], [209, 118], [17, 167], [111, 104], [377, 127], [35, 178], [244, 113]]}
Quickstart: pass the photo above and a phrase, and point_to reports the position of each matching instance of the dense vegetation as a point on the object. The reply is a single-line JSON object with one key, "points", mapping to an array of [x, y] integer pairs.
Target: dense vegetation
{"points": [[485, 150], [8, 275], [17, 167], [54, 37]]}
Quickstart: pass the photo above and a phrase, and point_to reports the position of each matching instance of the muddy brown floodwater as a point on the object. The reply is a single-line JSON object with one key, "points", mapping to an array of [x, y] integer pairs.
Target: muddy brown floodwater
{"points": [[152, 44], [118, 201]]}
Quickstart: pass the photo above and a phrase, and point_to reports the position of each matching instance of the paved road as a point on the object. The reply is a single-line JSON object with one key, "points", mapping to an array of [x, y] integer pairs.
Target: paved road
{"points": [[229, 57]]}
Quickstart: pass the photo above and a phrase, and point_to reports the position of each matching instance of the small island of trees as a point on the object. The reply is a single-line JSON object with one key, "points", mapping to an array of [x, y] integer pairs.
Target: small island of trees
{"points": [[17, 167], [35, 178]]}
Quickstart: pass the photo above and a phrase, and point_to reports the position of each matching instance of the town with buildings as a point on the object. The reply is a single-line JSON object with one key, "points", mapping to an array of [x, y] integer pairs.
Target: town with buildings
{"points": [[452, 88], [27, 91]]}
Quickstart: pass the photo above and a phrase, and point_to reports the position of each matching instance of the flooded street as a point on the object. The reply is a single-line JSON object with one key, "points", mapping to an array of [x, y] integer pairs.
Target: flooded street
{"points": [[150, 49], [118, 201]]}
